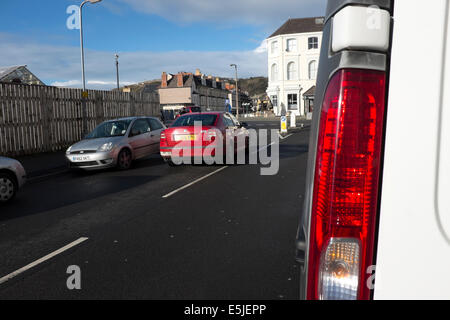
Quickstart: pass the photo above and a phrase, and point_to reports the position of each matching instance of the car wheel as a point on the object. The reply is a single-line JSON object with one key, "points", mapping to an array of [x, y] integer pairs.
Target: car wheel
{"points": [[171, 163], [8, 187], [124, 159]]}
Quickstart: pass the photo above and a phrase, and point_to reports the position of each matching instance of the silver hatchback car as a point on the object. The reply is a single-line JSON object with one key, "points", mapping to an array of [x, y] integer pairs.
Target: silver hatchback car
{"points": [[12, 177], [117, 143]]}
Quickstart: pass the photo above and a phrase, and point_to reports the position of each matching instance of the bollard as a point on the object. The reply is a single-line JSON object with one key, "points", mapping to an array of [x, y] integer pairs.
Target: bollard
{"points": [[284, 129]]}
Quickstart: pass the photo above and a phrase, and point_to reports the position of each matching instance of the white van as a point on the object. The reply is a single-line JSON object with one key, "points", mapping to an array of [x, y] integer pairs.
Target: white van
{"points": [[376, 218]]}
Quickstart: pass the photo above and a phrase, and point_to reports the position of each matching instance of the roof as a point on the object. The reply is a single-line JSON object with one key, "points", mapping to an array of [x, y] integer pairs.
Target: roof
{"points": [[216, 113], [189, 78], [301, 25], [4, 71], [311, 91]]}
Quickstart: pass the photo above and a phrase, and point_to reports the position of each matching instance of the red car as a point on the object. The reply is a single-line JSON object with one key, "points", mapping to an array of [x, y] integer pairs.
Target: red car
{"points": [[181, 139]]}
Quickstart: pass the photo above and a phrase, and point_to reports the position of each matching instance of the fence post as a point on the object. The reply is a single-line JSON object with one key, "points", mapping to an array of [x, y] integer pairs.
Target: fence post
{"points": [[99, 112], [132, 105], [84, 96], [46, 113]]}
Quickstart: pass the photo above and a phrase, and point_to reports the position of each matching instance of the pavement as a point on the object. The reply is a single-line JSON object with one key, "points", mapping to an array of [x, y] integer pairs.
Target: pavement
{"points": [[223, 233]]}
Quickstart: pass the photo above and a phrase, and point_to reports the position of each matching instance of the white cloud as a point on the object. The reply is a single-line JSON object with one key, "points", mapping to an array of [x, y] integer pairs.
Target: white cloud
{"points": [[262, 47], [60, 65], [89, 83], [259, 12], [69, 83]]}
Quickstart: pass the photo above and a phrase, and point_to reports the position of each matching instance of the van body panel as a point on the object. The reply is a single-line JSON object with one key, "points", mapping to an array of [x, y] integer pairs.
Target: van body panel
{"points": [[413, 253]]}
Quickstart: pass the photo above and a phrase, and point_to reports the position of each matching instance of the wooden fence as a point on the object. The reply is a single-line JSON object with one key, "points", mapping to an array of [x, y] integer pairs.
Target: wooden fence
{"points": [[36, 119]]}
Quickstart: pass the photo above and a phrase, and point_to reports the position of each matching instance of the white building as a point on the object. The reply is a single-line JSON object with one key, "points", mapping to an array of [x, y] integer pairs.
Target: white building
{"points": [[293, 60]]}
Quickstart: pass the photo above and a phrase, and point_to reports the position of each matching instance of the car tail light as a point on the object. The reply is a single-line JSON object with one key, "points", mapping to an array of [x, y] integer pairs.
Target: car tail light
{"points": [[345, 197], [163, 136]]}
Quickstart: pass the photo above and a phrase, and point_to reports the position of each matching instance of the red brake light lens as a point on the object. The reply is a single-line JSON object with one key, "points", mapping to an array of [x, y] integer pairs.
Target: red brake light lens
{"points": [[346, 181]]}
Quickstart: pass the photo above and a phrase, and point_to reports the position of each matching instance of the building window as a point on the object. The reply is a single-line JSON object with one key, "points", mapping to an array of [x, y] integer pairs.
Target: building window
{"points": [[274, 47], [274, 100], [291, 45], [292, 102], [274, 72], [312, 70], [313, 43], [291, 71]]}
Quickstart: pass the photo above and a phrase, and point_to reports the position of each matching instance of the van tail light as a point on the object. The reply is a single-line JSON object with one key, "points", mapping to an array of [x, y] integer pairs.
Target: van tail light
{"points": [[345, 196]]}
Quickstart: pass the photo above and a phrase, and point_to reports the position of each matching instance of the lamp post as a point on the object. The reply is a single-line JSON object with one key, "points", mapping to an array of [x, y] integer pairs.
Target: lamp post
{"points": [[237, 90], [278, 100], [117, 70], [84, 93], [81, 40]]}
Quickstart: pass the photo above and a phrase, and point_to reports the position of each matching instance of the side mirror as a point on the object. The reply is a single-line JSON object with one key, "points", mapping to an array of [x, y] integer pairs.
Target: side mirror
{"points": [[244, 125]]}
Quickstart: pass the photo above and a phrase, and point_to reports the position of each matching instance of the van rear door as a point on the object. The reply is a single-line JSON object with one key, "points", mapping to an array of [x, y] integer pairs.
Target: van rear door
{"points": [[413, 254]]}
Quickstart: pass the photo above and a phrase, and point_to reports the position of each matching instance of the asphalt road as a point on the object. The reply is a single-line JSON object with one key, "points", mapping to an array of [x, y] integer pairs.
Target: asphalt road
{"points": [[229, 236]]}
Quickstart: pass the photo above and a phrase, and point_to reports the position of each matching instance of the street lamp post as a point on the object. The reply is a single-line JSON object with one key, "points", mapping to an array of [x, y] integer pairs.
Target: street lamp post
{"points": [[237, 90], [81, 40], [82, 63], [117, 70], [278, 100]]}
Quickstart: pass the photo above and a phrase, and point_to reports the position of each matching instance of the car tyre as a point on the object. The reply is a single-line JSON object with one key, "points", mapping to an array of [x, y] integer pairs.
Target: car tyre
{"points": [[8, 187], [124, 159], [171, 163]]}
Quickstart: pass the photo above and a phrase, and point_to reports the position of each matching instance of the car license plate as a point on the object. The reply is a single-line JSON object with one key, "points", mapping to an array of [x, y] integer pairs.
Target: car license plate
{"points": [[81, 158], [185, 137]]}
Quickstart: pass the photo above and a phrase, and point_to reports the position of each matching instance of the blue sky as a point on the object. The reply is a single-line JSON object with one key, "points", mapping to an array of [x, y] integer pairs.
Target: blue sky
{"points": [[150, 36]]}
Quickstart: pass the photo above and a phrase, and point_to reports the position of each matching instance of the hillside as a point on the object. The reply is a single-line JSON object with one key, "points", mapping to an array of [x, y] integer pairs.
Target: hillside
{"points": [[146, 86], [255, 86]]}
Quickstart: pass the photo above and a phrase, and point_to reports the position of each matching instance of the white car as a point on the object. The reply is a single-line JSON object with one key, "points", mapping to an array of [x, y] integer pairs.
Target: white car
{"points": [[12, 177], [376, 218]]}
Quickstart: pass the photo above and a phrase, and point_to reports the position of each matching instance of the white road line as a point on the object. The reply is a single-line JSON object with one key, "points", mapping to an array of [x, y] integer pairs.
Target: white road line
{"points": [[41, 260], [284, 138], [264, 147], [193, 182], [207, 176]]}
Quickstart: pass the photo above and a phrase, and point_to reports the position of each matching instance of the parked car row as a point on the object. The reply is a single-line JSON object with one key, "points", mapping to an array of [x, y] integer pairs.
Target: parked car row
{"points": [[117, 143]]}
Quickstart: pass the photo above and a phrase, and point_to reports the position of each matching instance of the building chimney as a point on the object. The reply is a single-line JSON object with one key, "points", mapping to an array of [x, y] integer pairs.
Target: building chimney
{"points": [[164, 80], [180, 80]]}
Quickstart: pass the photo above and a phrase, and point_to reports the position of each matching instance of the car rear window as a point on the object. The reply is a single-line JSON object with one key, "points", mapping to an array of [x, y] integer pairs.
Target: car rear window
{"points": [[189, 120]]}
